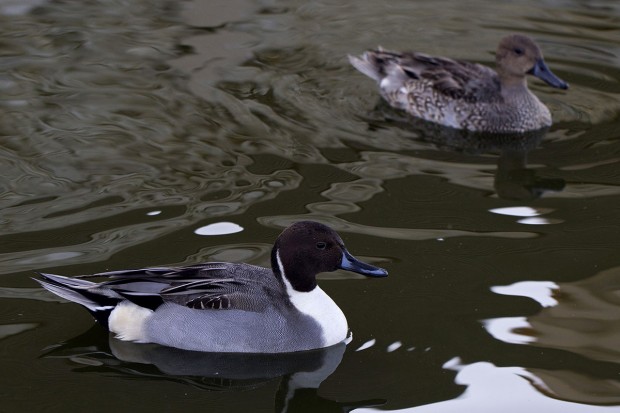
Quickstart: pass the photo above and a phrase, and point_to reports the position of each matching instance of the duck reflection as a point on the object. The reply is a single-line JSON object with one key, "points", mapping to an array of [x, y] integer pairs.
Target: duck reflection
{"points": [[581, 321], [300, 373], [513, 179]]}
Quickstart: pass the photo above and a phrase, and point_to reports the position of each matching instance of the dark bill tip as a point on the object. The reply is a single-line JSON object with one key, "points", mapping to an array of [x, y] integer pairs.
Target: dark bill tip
{"points": [[350, 263], [541, 71]]}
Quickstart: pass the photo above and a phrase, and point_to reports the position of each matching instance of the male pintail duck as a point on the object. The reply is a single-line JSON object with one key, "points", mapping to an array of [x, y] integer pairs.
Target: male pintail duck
{"points": [[465, 95], [225, 307]]}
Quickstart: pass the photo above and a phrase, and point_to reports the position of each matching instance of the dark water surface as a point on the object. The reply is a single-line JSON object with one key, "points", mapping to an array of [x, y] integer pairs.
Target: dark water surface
{"points": [[128, 128]]}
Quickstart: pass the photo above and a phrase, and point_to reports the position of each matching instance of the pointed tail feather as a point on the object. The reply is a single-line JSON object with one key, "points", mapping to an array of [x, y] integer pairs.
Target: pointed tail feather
{"points": [[99, 301], [367, 67]]}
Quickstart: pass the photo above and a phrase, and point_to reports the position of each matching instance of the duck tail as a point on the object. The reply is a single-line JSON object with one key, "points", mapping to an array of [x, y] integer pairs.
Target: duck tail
{"points": [[367, 64], [98, 300], [383, 66]]}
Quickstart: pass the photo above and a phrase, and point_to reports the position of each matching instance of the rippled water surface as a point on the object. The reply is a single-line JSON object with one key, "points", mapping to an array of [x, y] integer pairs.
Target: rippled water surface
{"points": [[139, 133]]}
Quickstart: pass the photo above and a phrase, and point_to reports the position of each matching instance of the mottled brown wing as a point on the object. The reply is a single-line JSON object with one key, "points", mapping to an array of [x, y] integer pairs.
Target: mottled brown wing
{"points": [[471, 82]]}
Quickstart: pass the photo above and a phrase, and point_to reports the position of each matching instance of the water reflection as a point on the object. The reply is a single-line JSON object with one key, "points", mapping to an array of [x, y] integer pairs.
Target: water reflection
{"points": [[492, 389], [7, 330], [513, 180], [344, 226], [92, 135], [528, 215], [586, 319], [300, 374], [219, 228], [582, 318], [18, 7]]}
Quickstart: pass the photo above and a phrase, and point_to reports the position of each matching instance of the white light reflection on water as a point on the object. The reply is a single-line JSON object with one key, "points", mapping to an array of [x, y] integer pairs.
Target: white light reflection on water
{"points": [[504, 329], [521, 211], [541, 291], [367, 345], [512, 329], [539, 221], [582, 320], [530, 215], [506, 389], [580, 317], [219, 228]]}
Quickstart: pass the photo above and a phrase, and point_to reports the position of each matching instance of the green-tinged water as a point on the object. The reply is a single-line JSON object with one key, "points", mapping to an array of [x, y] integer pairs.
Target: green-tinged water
{"points": [[127, 128]]}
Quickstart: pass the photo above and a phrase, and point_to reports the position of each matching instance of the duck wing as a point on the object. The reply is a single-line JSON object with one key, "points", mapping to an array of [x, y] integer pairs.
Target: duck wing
{"points": [[209, 286], [459, 80]]}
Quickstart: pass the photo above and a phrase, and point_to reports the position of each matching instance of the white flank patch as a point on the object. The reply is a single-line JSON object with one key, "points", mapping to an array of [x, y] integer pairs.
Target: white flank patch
{"points": [[391, 84], [318, 305], [127, 321]]}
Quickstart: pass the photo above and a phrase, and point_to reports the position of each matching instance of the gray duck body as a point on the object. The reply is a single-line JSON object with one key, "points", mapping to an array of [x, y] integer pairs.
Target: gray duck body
{"points": [[226, 307], [241, 299], [462, 94]]}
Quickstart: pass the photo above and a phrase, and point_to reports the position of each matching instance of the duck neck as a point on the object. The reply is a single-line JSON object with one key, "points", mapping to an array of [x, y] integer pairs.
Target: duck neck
{"points": [[513, 87], [297, 276]]}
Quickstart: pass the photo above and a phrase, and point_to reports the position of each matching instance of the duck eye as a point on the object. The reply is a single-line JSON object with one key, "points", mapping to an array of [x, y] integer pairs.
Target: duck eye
{"points": [[321, 245], [518, 51]]}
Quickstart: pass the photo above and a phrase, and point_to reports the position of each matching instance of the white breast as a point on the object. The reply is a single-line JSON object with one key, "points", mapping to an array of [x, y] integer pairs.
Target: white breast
{"points": [[318, 305], [324, 311]]}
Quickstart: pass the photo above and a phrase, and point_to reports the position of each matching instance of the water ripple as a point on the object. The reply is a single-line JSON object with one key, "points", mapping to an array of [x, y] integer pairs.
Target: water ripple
{"points": [[391, 233]]}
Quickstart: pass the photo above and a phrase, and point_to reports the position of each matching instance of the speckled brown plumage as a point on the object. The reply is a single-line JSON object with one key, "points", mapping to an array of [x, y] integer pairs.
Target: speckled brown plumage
{"points": [[465, 95]]}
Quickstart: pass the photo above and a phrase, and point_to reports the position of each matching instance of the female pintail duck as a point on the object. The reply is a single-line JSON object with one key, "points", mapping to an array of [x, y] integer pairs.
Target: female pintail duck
{"points": [[465, 95], [225, 307]]}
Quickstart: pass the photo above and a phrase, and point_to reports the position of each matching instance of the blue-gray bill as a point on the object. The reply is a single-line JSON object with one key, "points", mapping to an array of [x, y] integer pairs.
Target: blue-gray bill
{"points": [[350, 263], [542, 71]]}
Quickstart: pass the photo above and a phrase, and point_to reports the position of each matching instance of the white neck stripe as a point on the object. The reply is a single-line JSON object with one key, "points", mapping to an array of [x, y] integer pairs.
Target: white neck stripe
{"points": [[280, 266]]}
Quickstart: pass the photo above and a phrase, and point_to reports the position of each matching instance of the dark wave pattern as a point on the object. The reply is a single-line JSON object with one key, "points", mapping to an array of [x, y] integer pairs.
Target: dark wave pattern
{"points": [[96, 124]]}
